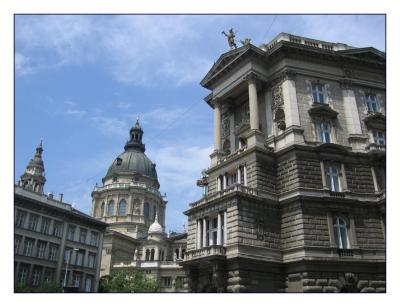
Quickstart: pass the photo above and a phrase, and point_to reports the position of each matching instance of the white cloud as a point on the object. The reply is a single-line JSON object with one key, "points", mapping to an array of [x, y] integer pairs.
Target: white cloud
{"points": [[23, 65], [110, 126], [75, 112]]}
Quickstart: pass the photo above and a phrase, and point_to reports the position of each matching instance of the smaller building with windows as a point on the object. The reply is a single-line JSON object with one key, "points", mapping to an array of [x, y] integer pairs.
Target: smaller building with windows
{"points": [[53, 242]]}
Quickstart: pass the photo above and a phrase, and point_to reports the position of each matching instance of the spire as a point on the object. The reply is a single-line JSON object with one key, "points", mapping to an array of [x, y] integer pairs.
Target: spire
{"points": [[156, 217], [33, 178], [135, 141]]}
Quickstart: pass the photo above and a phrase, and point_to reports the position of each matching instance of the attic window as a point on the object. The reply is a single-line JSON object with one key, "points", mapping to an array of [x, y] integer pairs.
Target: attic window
{"points": [[119, 161]]}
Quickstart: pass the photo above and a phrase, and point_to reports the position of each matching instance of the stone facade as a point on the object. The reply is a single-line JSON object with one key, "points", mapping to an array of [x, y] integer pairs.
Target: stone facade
{"points": [[53, 242], [296, 198]]}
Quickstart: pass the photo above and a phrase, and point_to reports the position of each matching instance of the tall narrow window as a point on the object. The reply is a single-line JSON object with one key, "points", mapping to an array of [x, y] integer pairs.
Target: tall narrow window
{"points": [[88, 284], [102, 213], [20, 220], [324, 132], [340, 231], [318, 93], [41, 248], [23, 273], [82, 235], [332, 178], [146, 210], [94, 238], [17, 243], [44, 228], [53, 252], [71, 232], [379, 137], [122, 207], [28, 247], [212, 231], [33, 221], [79, 258], [110, 208], [57, 229], [372, 103], [36, 276], [152, 254]]}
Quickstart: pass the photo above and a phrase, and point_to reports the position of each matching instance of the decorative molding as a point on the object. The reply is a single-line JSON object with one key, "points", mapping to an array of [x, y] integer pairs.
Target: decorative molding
{"points": [[375, 121], [322, 111]]}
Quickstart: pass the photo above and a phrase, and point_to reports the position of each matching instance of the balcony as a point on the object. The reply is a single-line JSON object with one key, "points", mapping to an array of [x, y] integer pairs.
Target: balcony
{"points": [[234, 154], [375, 149], [229, 190], [209, 251], [345, 252], [322, 110], [375, 120]]}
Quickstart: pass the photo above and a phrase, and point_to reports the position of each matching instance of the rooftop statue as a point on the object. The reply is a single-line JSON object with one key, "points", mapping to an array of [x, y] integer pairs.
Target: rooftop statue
{"points": [[231, 38], [246, 41]]}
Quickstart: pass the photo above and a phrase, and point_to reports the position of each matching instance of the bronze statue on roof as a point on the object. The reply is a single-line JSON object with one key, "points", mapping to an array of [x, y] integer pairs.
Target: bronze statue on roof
{"points": [[231, 38]]}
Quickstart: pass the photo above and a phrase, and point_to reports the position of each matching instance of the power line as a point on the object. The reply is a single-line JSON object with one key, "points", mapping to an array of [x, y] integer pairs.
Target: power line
{"points": [[269, 28]]}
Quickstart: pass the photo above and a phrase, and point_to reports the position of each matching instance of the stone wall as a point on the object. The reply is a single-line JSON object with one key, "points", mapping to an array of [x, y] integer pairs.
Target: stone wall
{"points": [[359, 177]]}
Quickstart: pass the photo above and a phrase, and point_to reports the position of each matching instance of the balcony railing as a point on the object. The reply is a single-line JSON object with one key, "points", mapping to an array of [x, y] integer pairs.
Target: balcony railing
{"points": [[126, 186], [345, 252], [373, 147], [237, 187], [235, 153], [214, 250]]}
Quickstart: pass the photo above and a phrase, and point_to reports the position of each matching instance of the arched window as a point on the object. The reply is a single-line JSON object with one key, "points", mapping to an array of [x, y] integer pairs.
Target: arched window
{"points": [[183, 253], [110, 208], [146, 210], [101, 213], [147, 255], [152, 254], [340, 231], [122, 207]]}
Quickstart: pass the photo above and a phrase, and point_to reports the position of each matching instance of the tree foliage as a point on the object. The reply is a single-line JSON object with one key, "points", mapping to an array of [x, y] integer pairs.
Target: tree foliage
{"points": [[47, 287], [127, 280]]}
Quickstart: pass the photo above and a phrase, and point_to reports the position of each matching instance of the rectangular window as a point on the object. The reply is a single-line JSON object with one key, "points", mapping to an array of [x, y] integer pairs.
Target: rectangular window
{"points": [[372, 103], [379, 137], [33, 221], [28, 247], [166, 281], [91, 260], [57, 229], [44, 227], [17, 243], [23, 273], [71, 232], [67, 255], [332, 178], [94, 238], [324, 132], [318, 93], [41, 249], [88, 283], [79, 258], [36, 276], [53, 251], [82, 235], [340, 233], [48, 275], [20, 220], [77, 280], [212, 226]]}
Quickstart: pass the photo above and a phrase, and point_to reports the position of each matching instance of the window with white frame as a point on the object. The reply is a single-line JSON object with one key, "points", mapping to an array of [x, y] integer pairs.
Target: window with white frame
{"points": [[340, 233], [41, 248], [318, 93], [33, 221], [23, 273], [372, 103], [28, 247], [324, 132], [45, 225], [91, 260], [36, 276], [57, 229], [20, 220], [71, 232], [17, 243], [53, 251], [379, 137], [332, 176]]}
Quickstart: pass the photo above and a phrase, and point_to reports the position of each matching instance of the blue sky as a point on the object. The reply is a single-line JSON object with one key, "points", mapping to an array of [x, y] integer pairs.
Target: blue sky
{"points": [[81, 81]]}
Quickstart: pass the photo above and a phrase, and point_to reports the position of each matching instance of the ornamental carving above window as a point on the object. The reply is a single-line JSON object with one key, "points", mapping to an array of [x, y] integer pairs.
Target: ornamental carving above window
{"points": [[277, 96]]}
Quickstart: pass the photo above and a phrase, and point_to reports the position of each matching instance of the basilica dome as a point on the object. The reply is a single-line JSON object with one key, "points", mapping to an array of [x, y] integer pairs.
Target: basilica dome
{"points": [[133, 160]]}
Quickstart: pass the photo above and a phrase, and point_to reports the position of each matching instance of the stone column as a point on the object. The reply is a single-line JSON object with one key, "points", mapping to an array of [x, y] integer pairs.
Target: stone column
{"points": [[291, 107], [204, 232], [238, 175], [376, 187], [225, 228], [156, 254], [225, 182], [217, 125], [344, 179], [219, 225], [269, 116], [253, 101], [324, 186], [180, 252], [245, 175], [198, 233]]}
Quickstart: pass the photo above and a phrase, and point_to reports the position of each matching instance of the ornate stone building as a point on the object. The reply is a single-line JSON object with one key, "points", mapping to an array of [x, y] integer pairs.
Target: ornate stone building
{"points": [[130, 202], [296, 187], [53, 242]]}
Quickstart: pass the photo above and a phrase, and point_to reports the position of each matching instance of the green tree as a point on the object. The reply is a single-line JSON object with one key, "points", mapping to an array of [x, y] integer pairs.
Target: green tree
{"points": [[127, 280]]}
